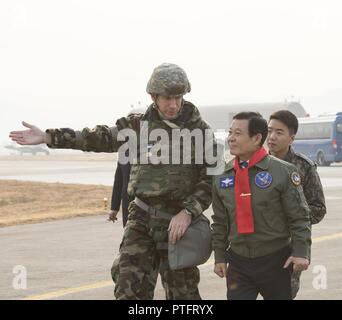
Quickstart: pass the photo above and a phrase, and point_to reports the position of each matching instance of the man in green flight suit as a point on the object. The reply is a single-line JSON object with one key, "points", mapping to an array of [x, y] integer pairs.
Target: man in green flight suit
{"points": [[282, 130], [261, 223], [180, 190]]}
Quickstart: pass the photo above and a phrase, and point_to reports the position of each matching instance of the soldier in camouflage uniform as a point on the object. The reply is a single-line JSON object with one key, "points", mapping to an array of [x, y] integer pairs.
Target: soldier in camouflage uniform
{"points": [[183, 190], [282, 129]]}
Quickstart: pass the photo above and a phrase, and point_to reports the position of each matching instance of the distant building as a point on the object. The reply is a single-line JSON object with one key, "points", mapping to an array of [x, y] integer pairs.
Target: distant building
{"points": [[220, 116]]}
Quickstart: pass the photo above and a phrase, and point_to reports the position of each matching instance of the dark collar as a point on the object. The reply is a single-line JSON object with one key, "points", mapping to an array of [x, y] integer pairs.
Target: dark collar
{"points": [[263, 164], [290, 155]]}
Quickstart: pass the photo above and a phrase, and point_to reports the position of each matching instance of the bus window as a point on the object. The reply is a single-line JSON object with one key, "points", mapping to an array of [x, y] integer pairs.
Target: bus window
{"points": [[314, 131], [339, 127]]}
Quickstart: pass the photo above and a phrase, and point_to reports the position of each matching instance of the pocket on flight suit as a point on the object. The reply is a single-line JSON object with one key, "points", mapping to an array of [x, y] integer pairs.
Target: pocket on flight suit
{"points": [[272, 218]]}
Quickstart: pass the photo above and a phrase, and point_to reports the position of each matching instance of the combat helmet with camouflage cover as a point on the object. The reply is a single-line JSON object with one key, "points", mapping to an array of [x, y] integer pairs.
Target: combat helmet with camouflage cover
{"points": [[168, 79]]}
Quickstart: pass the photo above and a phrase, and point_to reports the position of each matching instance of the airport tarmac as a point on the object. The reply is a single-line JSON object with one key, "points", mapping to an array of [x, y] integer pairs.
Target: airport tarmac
{"points": [[101, 172], [71, 259]]}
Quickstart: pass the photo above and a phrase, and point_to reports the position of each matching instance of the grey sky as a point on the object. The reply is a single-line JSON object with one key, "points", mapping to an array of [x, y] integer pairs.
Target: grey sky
{"points": [[82, 63]]}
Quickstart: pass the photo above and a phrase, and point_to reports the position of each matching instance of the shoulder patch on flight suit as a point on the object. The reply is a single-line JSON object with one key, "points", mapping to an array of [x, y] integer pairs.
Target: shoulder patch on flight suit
{"points": [[295, 178]]}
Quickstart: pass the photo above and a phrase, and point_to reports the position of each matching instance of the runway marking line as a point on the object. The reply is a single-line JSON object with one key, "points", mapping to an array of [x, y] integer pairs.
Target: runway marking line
{"points": [[103, 284], [59, 293]]}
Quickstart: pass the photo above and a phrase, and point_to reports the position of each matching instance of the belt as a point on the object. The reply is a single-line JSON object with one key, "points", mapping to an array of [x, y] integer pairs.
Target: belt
{"points": [[151, 210], [261, 250]]}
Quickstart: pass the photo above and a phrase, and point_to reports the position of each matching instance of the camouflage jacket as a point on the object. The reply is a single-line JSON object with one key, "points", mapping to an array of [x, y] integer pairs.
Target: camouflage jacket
{"points": [[311, 184], [170, 187]]}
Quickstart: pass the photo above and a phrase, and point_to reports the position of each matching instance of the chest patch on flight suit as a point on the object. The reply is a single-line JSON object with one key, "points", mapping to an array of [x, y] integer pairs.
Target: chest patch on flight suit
{"points": [[227, 182], [295, 178], [263, 179]]}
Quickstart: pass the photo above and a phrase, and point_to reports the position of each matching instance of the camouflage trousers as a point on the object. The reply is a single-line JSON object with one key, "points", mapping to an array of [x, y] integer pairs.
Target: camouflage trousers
{"points": [[295, 283], [142, 255]]}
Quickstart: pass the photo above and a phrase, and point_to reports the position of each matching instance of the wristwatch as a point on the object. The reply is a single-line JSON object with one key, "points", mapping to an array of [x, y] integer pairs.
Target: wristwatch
{"points": [[188, 212]]}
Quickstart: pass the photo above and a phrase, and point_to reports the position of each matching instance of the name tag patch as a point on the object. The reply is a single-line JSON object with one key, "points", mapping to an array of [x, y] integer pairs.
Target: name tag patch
{"points": [[227, 182]]}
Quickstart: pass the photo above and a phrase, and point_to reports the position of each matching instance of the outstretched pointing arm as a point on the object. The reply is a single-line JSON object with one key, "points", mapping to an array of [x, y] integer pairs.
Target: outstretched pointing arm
{"points": [[31, 136]]}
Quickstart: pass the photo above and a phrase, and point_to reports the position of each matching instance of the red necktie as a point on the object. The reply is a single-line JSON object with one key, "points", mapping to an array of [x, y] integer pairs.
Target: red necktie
{"points": [[243, 196]]}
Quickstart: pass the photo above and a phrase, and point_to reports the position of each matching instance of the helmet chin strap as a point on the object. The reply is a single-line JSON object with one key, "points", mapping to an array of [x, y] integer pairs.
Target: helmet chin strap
{"points": [[161, 114]]}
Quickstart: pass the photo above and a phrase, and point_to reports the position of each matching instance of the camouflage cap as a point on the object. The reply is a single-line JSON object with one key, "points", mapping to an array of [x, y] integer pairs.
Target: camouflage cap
{"points": [[168, 80]]}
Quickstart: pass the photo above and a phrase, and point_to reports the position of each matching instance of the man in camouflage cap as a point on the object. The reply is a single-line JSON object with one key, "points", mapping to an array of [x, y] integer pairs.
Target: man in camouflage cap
{"points": [[282, 129], [180, 190]]}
